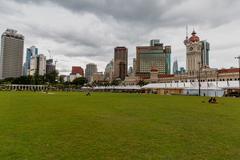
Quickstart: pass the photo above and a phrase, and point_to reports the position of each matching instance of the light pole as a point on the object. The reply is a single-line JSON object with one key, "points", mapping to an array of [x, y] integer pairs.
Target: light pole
{"points": [[199, 79], [217, 81], [238, 74], [206, 78]]}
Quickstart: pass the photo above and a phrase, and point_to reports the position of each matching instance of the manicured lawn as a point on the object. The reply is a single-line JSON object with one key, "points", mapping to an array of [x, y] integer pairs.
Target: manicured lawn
{"points": [[67, 126]]}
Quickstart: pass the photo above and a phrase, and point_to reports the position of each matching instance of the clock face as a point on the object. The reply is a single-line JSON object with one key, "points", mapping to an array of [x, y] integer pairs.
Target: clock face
{"points": [[191, 48]]}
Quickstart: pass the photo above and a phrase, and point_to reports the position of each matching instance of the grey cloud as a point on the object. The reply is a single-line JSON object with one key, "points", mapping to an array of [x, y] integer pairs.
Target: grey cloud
{"points": [[7, 8], [134, 10], [76, 45], [155, 13], [61, 37], [101, 53]]}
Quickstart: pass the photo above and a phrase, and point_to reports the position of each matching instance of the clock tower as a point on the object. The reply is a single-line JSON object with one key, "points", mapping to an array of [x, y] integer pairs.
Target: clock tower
{"points": [[194, 53]]}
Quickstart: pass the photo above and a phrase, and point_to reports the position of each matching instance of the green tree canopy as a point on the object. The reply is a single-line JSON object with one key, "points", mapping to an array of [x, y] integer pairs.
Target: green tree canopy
{"points": [[80, 81]]}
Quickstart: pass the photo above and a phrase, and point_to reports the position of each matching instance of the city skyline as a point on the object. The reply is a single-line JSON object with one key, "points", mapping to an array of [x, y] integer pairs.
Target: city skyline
{"points": [[84, 32]]}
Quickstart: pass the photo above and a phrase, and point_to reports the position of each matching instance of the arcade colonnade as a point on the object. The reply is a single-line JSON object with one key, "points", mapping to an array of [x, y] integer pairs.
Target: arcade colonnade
{"points": [[28, 87]]}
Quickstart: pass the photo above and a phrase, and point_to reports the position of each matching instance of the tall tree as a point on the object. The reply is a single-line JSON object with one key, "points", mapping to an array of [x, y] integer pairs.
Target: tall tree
{"points": [[80, 81], [52, 77]]}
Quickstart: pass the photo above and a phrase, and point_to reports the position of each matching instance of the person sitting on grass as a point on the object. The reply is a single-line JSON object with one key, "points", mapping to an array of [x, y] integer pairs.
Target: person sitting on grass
{"points": [[214, 100], [88, 94], [210, 100]]}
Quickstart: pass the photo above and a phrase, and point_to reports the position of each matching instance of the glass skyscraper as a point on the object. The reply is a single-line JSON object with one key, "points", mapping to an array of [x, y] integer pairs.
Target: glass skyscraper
{"points": [[32, 51], [205, 53]]}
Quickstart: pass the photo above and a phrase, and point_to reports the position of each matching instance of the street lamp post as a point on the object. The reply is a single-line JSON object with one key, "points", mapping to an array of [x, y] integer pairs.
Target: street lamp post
{"points": [[238, 73], [206, 78], [199, 79]]}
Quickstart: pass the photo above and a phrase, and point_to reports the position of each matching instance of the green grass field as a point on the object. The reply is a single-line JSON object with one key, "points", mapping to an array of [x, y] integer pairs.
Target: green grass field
{"points": [[69, 126]]}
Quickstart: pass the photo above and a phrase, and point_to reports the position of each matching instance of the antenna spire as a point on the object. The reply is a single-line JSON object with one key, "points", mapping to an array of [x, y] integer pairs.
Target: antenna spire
{"points": [[186, 41], [194, 31]]}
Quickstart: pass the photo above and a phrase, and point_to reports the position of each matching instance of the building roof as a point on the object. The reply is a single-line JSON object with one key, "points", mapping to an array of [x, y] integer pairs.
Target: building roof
{"points": [[231, 70], [166, 75], [13, 34]]}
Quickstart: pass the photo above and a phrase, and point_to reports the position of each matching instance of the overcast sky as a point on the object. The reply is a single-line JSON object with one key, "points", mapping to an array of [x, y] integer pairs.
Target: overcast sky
{"points": [[86, 31]]}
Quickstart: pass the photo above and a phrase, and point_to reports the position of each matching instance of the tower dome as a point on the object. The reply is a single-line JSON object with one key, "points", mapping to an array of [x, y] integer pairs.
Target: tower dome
{"points": [[194, 37]]}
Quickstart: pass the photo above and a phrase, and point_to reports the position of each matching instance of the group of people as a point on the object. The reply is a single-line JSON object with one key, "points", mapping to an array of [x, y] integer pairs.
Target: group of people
{"points": [[212, 100]]}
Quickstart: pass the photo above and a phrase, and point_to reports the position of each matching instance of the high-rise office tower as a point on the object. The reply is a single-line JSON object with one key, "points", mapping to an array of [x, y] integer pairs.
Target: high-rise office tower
{"points": [[33, 66], [77, 70], [134, 65], [205, 53], [11, 57], [156, 55], [50, 66], [130, 70], [38, 65], [42, 65], [91, 68], [175, 67], [108, 74], [30, 52], [120, 62]]}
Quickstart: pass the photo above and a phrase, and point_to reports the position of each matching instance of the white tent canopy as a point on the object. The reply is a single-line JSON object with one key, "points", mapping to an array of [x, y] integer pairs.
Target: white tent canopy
{"points": [[192, 88], [194, 85]]}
